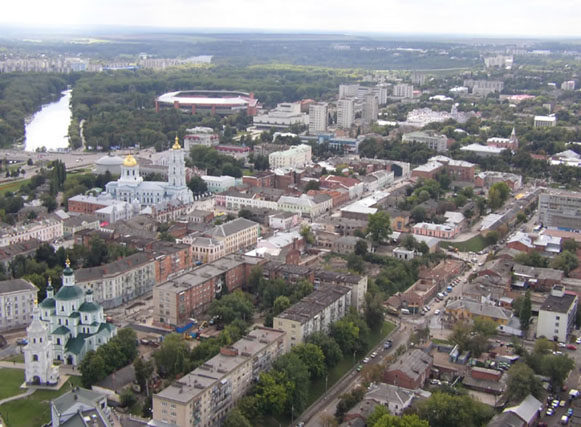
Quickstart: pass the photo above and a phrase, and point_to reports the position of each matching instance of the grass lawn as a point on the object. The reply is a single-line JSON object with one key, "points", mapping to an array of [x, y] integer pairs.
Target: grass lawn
{"points": [[475, 244], [13, 186], [12, 379], [439, 341], [18, 358], [35, 409]]}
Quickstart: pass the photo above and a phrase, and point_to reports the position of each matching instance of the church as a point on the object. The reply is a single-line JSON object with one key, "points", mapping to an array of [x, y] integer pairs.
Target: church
{"points": [[69, 325], [130, 187]]}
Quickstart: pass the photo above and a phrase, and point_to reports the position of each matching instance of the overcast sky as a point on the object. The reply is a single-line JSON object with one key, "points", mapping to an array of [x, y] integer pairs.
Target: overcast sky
{"points": [[538, 18]]}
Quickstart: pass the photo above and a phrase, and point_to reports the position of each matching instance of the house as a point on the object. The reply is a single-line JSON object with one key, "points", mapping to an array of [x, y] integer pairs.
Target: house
{"points": [[80, 407], [467, 310], [557, 315], [524, 414], [542, 279], [404, 254], [485, 380], [521, 242], [410, 371], [395, 399], [346, 244], [114, 384]]}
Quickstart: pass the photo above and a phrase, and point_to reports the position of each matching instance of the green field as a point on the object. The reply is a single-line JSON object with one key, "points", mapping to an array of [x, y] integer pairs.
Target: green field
{"points": [[13, 186], [12, 379], [35, 409], [475, 244]]}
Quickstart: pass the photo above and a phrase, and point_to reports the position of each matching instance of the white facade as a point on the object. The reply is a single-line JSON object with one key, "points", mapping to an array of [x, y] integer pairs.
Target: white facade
{"points": [[557, 315], [403, 91], [17, 298], [304, 205], [131, 186], [432, 140], [235, 203], [39, 354], [45, 230], [116, 211], [200, 136], [283, 116], [348, 91], [569, 85], [345, 113], [545, 121], [217, 184], [318, 118], [296, 156], [77, 324]]}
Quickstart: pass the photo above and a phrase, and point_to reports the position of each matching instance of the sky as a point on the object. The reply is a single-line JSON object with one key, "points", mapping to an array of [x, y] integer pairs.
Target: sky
{"points": [[520, 18]]}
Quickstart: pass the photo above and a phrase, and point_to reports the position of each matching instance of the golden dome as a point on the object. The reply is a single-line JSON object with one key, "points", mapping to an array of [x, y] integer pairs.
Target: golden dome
{"points": [[129, 161], [176, 145]]}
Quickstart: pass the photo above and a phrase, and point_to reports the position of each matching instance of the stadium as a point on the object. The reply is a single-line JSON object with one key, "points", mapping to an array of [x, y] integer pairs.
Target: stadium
{"points": [[221, 102]]}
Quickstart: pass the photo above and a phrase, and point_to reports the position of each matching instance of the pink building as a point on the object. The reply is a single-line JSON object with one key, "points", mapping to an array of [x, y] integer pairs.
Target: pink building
{"points": [[439, 231]]}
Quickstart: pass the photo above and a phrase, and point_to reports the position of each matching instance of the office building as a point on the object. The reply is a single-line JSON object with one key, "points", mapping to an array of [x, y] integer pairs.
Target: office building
{"points": [[282, 117], [206, 395], [557, 315], [314, 313], [545, 121], [433, 140], [318, 117], [345, 113], [17, 297], [560, 209], [403, 91], [296, 156]]}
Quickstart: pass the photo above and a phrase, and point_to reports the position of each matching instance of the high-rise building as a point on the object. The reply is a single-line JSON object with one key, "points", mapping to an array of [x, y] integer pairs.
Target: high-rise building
{"points": [[370, 109], [381, 92], [348, 91], [345, 113], [560, 209], [318, 117], [403, 91]]}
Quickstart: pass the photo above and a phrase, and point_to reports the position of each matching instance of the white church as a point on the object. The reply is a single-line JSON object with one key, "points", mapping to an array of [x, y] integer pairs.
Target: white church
{"points": [[66, 326], [130, 187]]}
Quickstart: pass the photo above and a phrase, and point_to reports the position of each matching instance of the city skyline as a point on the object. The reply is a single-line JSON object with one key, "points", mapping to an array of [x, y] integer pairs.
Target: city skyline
{"points": [[422, 17]]}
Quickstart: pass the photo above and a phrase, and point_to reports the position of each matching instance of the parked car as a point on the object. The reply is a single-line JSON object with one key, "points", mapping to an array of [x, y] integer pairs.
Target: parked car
{"points": [[578, 340], [374, 355], [571, 347], [359, 368], [366, 360], [550, 412], [562, 403], [564, 420], [21, 341], [570, 412], [437, 312]]}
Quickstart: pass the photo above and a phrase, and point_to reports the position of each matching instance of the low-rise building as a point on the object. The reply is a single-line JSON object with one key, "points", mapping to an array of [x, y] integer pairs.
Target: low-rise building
{"points": [[482, 150], [509, 143], [120, 281], [433, 140], [557, 315], [282, 117], [80, 407], [439, 231], [487, 178], [314, 313], [240, 233], [283, 220], [545, 121], [295, 157], [200, 136], [237, 151], [206, 395], [74, 224], [410, 371], [305, 205], [17, 298], [346, 244], [404, 254], [45, 230], [217, 184], [191, 293]]}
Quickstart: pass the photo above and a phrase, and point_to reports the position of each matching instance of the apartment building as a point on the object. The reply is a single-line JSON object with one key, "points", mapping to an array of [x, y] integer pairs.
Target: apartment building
{"points": [[237, 234], [370, 108], [206, 395], [488, 178], [191, 293], [45, 230], [484, 87], [170, 259], [433, 140], [560, 209], [348, 91], [557, 315], [459, 170], [345, 113], [545, 121], [306, 205], [17, 297], [318, 117], [314, 313], [118, 282], [295, 157], [403, 91]]}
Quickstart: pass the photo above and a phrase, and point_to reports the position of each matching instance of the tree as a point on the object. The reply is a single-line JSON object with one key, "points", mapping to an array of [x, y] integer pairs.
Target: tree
{"points": [[346, 335], [379, 226], [400, 421], [361, 247], [236, 305], [498, 194], [313, 358], [491, 237], [307, 234], [484, 327], [143, 371], [171, 355], [312, 185], [565, 261], [197, 185], [569, 245], [524, 314], [355, 263], [374, 312], [328, 346], [281, 303], [522, 382], [272, 392], [293, 368], [444, 410], [378, 412], [348, 401], [418, 214], [49, 202], [92, 369], [557, 367], [235, 418], [127, 398]]}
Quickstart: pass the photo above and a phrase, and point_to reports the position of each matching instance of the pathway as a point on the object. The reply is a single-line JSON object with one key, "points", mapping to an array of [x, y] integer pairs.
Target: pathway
{"points": [[11, 365], [27, 393]]}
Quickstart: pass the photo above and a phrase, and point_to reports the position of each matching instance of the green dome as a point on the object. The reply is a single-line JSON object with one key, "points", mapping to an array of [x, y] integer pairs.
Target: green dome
{"points": [[68, 271], [48, 303], [67, 293], [89, 307]]}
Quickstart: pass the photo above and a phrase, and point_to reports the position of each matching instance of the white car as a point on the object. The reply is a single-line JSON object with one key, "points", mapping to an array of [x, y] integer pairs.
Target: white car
{"points": [[437, 312], [374, 355], [578, 340], [366, 360]]}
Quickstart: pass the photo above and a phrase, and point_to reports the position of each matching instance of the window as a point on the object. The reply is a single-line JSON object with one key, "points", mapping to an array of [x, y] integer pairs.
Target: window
{"points": [[35, 357]]}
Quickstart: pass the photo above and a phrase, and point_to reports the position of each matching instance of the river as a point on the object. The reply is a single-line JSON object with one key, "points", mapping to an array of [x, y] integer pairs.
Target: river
{"points": [[50, 126]]}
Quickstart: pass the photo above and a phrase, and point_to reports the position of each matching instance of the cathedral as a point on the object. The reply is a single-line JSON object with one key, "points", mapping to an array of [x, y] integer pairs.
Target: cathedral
{"points": [[69, 325], [130, 187]]}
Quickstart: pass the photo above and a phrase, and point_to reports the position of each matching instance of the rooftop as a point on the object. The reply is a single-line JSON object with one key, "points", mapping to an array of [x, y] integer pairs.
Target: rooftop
{"points": [[316, 302], [412, 364], [16, 285], [559, 304], [114, 268]]}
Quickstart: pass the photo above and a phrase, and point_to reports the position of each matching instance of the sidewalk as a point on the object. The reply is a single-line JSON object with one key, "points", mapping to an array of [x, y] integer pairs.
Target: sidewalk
{"points": [[27, 393], [11, 365]]}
